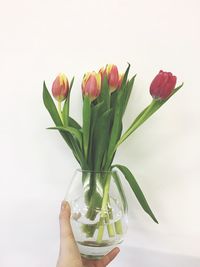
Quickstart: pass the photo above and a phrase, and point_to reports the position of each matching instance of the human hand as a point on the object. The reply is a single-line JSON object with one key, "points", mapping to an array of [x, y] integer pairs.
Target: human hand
{"points": [[69, 255]]}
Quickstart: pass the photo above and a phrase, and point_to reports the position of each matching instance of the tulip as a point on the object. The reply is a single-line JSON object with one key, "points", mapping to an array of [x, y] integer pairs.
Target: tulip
{"points": [[113, 76], [60, 87], [162, 85], [91, 85]]}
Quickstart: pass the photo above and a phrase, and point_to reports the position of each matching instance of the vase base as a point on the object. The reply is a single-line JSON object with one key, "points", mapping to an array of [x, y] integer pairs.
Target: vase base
{"points": [[95, 252], [90, 257]]}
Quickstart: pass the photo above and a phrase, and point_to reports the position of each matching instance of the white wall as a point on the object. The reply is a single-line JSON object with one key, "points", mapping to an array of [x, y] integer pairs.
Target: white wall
{"points": [[42, 38]]}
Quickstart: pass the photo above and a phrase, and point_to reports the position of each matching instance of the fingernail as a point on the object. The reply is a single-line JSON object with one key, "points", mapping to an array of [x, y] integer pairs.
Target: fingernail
{"points": [[63, 205], [117, 250]]}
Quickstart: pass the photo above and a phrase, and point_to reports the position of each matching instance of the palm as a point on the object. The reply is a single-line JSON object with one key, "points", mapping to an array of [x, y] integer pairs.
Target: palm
{"points": [[92, 263], [102, 262]]}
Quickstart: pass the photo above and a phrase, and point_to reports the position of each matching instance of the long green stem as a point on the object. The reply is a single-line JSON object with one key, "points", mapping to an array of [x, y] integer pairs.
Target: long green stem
{"points": [[86, 124], [118, 227], [100, 230], [65, 112], [136, 124], [104, 215], [60, 110], [110, 226], [106, 194]]}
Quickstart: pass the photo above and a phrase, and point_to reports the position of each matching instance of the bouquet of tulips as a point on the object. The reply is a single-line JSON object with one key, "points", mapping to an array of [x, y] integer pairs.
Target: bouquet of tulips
{"points": [[95, 141]]}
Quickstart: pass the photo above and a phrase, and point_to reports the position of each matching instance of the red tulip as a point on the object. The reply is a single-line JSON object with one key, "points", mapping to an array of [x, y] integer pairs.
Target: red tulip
{"points": [[91, 85], [162, 85], [113, 76], [60, 87]]}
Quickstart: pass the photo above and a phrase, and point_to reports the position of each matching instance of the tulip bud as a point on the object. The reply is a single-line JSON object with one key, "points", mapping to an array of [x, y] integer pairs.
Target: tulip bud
{"points": [[162, 85], [91, 85], [113, 77], [60, 87]]}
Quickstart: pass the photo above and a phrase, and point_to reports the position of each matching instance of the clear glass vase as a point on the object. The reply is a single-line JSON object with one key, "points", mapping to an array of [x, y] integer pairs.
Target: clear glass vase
{"points": [[98, 211]]}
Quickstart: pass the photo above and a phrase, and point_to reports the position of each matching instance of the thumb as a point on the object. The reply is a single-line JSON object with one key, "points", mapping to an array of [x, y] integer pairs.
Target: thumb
{"points": [[68, 247], [65, 226], [67, 241]]}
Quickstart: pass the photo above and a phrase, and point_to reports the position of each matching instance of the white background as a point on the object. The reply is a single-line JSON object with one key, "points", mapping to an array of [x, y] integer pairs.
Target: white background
{"points": [[39, 39]]}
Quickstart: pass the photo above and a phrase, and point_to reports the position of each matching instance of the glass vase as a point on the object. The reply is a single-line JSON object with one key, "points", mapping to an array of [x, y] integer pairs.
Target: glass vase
{"points": [[98, 211]]}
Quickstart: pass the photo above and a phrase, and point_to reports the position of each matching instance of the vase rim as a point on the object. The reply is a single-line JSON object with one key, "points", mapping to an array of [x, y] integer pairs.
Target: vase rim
{"points": [[92, 171]]}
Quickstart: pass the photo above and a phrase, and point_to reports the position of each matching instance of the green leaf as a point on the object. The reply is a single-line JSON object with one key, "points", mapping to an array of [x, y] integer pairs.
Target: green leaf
{"points": [[120, 91], [125, 77], [71, 84], [136, 190], [75, 138], [76, 133], [120, 189], [65, 112], [113, 99], [96, 113], [117, 121], [116, 129], [86, 124], [50, 106], [141, 114], [105, 94], [101, 138], [74, 123], [128, 90]]}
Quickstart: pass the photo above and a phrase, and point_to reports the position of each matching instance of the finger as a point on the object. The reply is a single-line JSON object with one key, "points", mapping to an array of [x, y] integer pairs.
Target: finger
{"points": [[68, 248], [65, 226], [110, 256]]}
